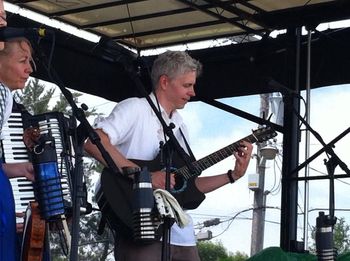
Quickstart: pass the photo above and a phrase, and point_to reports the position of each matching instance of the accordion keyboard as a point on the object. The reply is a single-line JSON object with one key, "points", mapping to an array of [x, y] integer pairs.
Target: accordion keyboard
{"points": [[15, 151]]}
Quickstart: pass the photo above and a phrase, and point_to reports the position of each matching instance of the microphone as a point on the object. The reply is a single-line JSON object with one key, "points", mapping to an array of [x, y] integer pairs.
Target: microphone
{"points": [[325, 249], [144, 225], [7, 33]]}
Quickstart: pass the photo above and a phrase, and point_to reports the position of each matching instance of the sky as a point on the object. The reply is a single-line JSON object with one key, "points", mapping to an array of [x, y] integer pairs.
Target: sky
{"points": [[211, 129], [328, 114]]}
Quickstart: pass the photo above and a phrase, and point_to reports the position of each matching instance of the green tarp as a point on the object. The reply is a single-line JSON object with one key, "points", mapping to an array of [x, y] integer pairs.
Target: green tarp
{"points": [[277, 254]]}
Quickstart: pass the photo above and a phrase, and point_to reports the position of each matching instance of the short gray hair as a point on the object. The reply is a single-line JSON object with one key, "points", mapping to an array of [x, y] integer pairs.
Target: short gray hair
{"points": [[172, 64]]}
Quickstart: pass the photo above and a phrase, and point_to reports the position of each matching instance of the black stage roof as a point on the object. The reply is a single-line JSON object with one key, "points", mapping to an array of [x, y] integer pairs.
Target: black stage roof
{"points": [[104, 68]]}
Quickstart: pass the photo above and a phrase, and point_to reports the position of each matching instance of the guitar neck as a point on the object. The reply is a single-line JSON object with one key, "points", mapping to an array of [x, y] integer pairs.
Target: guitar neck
{"points": [[213, 158]]}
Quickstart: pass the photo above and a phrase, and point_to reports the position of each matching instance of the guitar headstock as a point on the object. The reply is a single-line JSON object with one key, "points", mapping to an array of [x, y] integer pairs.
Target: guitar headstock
{"points": [[264, 134]]}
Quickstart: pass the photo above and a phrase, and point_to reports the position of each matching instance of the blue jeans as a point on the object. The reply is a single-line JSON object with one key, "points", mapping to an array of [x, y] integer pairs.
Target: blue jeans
{"points": [[7, 220]]}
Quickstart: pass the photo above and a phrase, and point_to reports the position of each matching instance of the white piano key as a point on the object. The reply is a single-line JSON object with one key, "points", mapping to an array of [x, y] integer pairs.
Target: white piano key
{"points": [[24, 197], [22, 184], [11, 158], [16, 160], [15, 150], [11, 141]]}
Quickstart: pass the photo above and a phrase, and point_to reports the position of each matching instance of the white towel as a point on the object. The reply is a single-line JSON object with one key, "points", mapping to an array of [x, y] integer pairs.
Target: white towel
{"points": [[169, 207]]}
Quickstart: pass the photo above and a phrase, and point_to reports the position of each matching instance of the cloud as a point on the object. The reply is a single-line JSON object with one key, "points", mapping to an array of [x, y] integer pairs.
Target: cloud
{"points": [[211, 129], [207, 122], [329, 117]]}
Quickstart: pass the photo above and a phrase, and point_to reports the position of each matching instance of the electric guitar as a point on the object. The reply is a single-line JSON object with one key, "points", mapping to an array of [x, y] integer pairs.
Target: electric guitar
{"points": [[115, 193]]}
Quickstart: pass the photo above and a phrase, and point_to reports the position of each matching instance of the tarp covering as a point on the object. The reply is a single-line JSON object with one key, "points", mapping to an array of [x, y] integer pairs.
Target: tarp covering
{"points": [[277, 254]]}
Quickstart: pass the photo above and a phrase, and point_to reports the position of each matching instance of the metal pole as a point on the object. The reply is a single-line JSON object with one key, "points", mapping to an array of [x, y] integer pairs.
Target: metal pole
{"points": [[307, 144], [289, 196], [258, 222]]}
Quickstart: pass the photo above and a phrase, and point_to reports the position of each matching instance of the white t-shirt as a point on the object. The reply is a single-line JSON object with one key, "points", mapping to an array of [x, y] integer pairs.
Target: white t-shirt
{"points": [[134, 129]]}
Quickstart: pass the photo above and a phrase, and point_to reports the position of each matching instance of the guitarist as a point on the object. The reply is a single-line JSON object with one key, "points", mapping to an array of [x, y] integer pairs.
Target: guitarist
{"points": [[132, 131]]}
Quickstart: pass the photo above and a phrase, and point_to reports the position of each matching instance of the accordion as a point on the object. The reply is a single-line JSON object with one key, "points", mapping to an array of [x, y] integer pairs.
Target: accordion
{"points": [[57, 126]]}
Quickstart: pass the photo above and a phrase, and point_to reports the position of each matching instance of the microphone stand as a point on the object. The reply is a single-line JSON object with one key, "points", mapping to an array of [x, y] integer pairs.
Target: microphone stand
{"points": [[167, 162], [334, 159], [84, 131], [325, 223]]}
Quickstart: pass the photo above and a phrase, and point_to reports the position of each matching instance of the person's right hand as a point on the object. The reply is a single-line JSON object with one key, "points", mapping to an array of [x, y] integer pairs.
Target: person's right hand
{"points": [[158, 180]]}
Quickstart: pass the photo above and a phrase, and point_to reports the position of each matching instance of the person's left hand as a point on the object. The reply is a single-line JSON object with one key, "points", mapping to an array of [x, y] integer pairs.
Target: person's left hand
{"points": [[22, 169], [242, 156], [28, 171]]}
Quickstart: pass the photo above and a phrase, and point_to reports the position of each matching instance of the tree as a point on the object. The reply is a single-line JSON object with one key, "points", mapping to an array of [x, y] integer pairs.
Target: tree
{"points": [[209, 251], [238, 256], [36, 98], [341, 236]]}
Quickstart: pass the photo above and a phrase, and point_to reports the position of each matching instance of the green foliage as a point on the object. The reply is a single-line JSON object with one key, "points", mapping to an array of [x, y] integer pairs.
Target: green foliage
{"points": [[92, 247], [341, 236], [95, 165], [237, 256], [209, 251], [63, 105], [36, 98]]}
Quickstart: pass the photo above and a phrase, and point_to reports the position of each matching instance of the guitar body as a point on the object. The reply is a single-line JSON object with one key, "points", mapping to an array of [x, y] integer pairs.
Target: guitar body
{"points": [[116, 191], [34, 234], [185, 190], [114, 199]]}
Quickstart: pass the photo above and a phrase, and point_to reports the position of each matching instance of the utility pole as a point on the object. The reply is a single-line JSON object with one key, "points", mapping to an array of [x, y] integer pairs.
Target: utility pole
{"points": [[258, 222]]}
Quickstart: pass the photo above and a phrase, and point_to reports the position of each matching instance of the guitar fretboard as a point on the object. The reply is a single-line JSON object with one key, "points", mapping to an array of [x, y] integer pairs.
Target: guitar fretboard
{"points": [[217, 156]]}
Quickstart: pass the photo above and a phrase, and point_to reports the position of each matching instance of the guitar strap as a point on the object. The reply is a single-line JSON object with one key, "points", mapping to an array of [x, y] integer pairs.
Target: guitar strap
{"points": [[193, 158]]}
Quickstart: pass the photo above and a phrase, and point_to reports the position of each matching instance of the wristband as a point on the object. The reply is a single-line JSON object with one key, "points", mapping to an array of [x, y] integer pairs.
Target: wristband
{"points": [[229, 175]]}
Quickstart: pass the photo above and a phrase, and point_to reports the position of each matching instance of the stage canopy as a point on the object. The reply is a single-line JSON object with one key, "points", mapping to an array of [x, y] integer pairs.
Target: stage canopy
{"points": [[257, 63], [240, 69]]}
